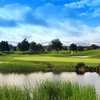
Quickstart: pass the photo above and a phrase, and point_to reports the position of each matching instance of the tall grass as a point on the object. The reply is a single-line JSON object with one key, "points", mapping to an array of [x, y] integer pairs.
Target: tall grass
{"points": [[29, 67], [12, 93], [63, 91], [36, 66], [49, 91]]}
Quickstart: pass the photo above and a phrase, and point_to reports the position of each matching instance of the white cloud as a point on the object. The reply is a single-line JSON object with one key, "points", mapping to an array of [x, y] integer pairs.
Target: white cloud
{"points": [[93, 9], [78, 4], [65, 31], [83, 3], [96, 13], [13, 12]]}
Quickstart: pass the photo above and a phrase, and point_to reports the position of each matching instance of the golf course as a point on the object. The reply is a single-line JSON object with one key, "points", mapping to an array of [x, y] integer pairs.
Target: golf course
{"points": [[22, 68], [59, 61], [49, 49]]}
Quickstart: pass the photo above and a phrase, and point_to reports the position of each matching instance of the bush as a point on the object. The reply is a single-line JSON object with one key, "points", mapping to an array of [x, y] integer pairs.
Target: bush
{"points": [[81, 68]]}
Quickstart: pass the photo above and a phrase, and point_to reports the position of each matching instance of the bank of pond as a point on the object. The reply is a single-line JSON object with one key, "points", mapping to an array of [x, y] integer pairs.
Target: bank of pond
{"points": [[50, 91], [30, 67], [50, 86]]}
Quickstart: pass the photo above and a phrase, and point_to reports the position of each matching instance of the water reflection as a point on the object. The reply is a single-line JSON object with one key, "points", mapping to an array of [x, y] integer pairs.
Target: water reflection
{"points": [[31, 80]]}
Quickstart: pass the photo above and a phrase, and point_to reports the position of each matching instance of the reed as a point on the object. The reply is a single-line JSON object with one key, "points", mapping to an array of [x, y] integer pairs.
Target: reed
{"points": [[49, 90], [63, 91]]}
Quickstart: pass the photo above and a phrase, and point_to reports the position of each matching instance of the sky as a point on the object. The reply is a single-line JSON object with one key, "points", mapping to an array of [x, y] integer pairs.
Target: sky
{"points": [[43, 20]]}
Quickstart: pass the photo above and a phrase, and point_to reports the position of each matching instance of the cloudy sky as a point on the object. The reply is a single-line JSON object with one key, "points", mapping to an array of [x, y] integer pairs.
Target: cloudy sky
{"points": [[44, 20]]}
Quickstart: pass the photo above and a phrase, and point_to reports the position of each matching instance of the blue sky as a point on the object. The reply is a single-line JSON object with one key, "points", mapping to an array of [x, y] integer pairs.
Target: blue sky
{"points": [[44, 20]]}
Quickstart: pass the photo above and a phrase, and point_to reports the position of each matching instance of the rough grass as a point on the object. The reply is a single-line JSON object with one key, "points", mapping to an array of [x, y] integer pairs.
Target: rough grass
{"points": [[49, 91], [28, 67], [63, 91]]}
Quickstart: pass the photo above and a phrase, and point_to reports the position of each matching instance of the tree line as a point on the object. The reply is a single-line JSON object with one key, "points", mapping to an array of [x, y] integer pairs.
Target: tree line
{"points": [[33, 47]]}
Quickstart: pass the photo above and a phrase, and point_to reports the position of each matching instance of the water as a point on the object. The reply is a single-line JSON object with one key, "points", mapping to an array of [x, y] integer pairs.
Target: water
{"points": [[31, 80]]}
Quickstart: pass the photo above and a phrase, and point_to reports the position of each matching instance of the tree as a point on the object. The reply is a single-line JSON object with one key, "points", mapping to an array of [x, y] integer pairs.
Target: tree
{"points": [[40, 48], [65, 48], [80, 48], [23, 46], [73, 47], [4, 46], [56, 45], [12, 47], [36, 48], [94, 46], [32, 47]]}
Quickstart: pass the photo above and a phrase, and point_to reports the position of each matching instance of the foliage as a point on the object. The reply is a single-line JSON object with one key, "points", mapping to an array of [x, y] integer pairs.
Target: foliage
{"points": [[56, 45], [94, 46], [52, 90], [73, 47], [23, 46], [4, 46], [80, 48], [49, 90]]}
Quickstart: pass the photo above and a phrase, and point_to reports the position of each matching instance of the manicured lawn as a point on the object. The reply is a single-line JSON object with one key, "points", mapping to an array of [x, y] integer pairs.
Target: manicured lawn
{"points": [[44, 58], [42, 62]]}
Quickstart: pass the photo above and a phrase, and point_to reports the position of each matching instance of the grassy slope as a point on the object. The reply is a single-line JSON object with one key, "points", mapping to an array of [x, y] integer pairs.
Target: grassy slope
{"points": [[79, 53], [59, 61], [91, 53]]}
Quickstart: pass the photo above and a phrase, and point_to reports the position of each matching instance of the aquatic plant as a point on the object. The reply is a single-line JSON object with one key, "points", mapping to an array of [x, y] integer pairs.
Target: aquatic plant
{"points": [[49, 90]]}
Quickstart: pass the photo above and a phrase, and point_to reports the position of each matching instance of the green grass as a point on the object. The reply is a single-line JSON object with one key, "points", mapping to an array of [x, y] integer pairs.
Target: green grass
{"points": [[91, 53], [26, 63], [63, 91], [57, 59], [12, 93], [49, 91], [28, 67], [79, 53]]}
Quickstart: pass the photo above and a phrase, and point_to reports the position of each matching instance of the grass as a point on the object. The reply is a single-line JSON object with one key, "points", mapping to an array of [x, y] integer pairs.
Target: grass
{"points": [[91, 53], [49, 91], [64, 91], [12, 93], [28, 67], [57, 59], [58, 62], [79, 53]]}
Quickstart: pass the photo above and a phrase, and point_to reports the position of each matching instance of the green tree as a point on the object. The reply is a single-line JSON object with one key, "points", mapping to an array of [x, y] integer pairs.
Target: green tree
{"points": [[94, 46], [40, 48], [73, 48], [80, 48], [24, 45], [4, 46], [36, 48], [56, 45], [33, 47]]}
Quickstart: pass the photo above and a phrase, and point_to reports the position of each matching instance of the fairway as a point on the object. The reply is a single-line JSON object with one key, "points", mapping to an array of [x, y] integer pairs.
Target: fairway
{"points": [[57, 59], [26, 63]]}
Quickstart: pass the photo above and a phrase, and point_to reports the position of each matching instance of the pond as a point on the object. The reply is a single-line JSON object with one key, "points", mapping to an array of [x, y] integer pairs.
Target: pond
{"points": [[31, 80]]}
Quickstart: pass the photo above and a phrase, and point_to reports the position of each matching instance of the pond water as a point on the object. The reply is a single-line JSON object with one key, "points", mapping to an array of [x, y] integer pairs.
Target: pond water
{"points": [[31, 80]]}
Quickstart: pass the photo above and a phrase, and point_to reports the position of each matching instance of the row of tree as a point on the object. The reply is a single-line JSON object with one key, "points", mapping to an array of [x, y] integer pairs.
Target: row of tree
{"points": [[38, 48], [32, 47]]}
